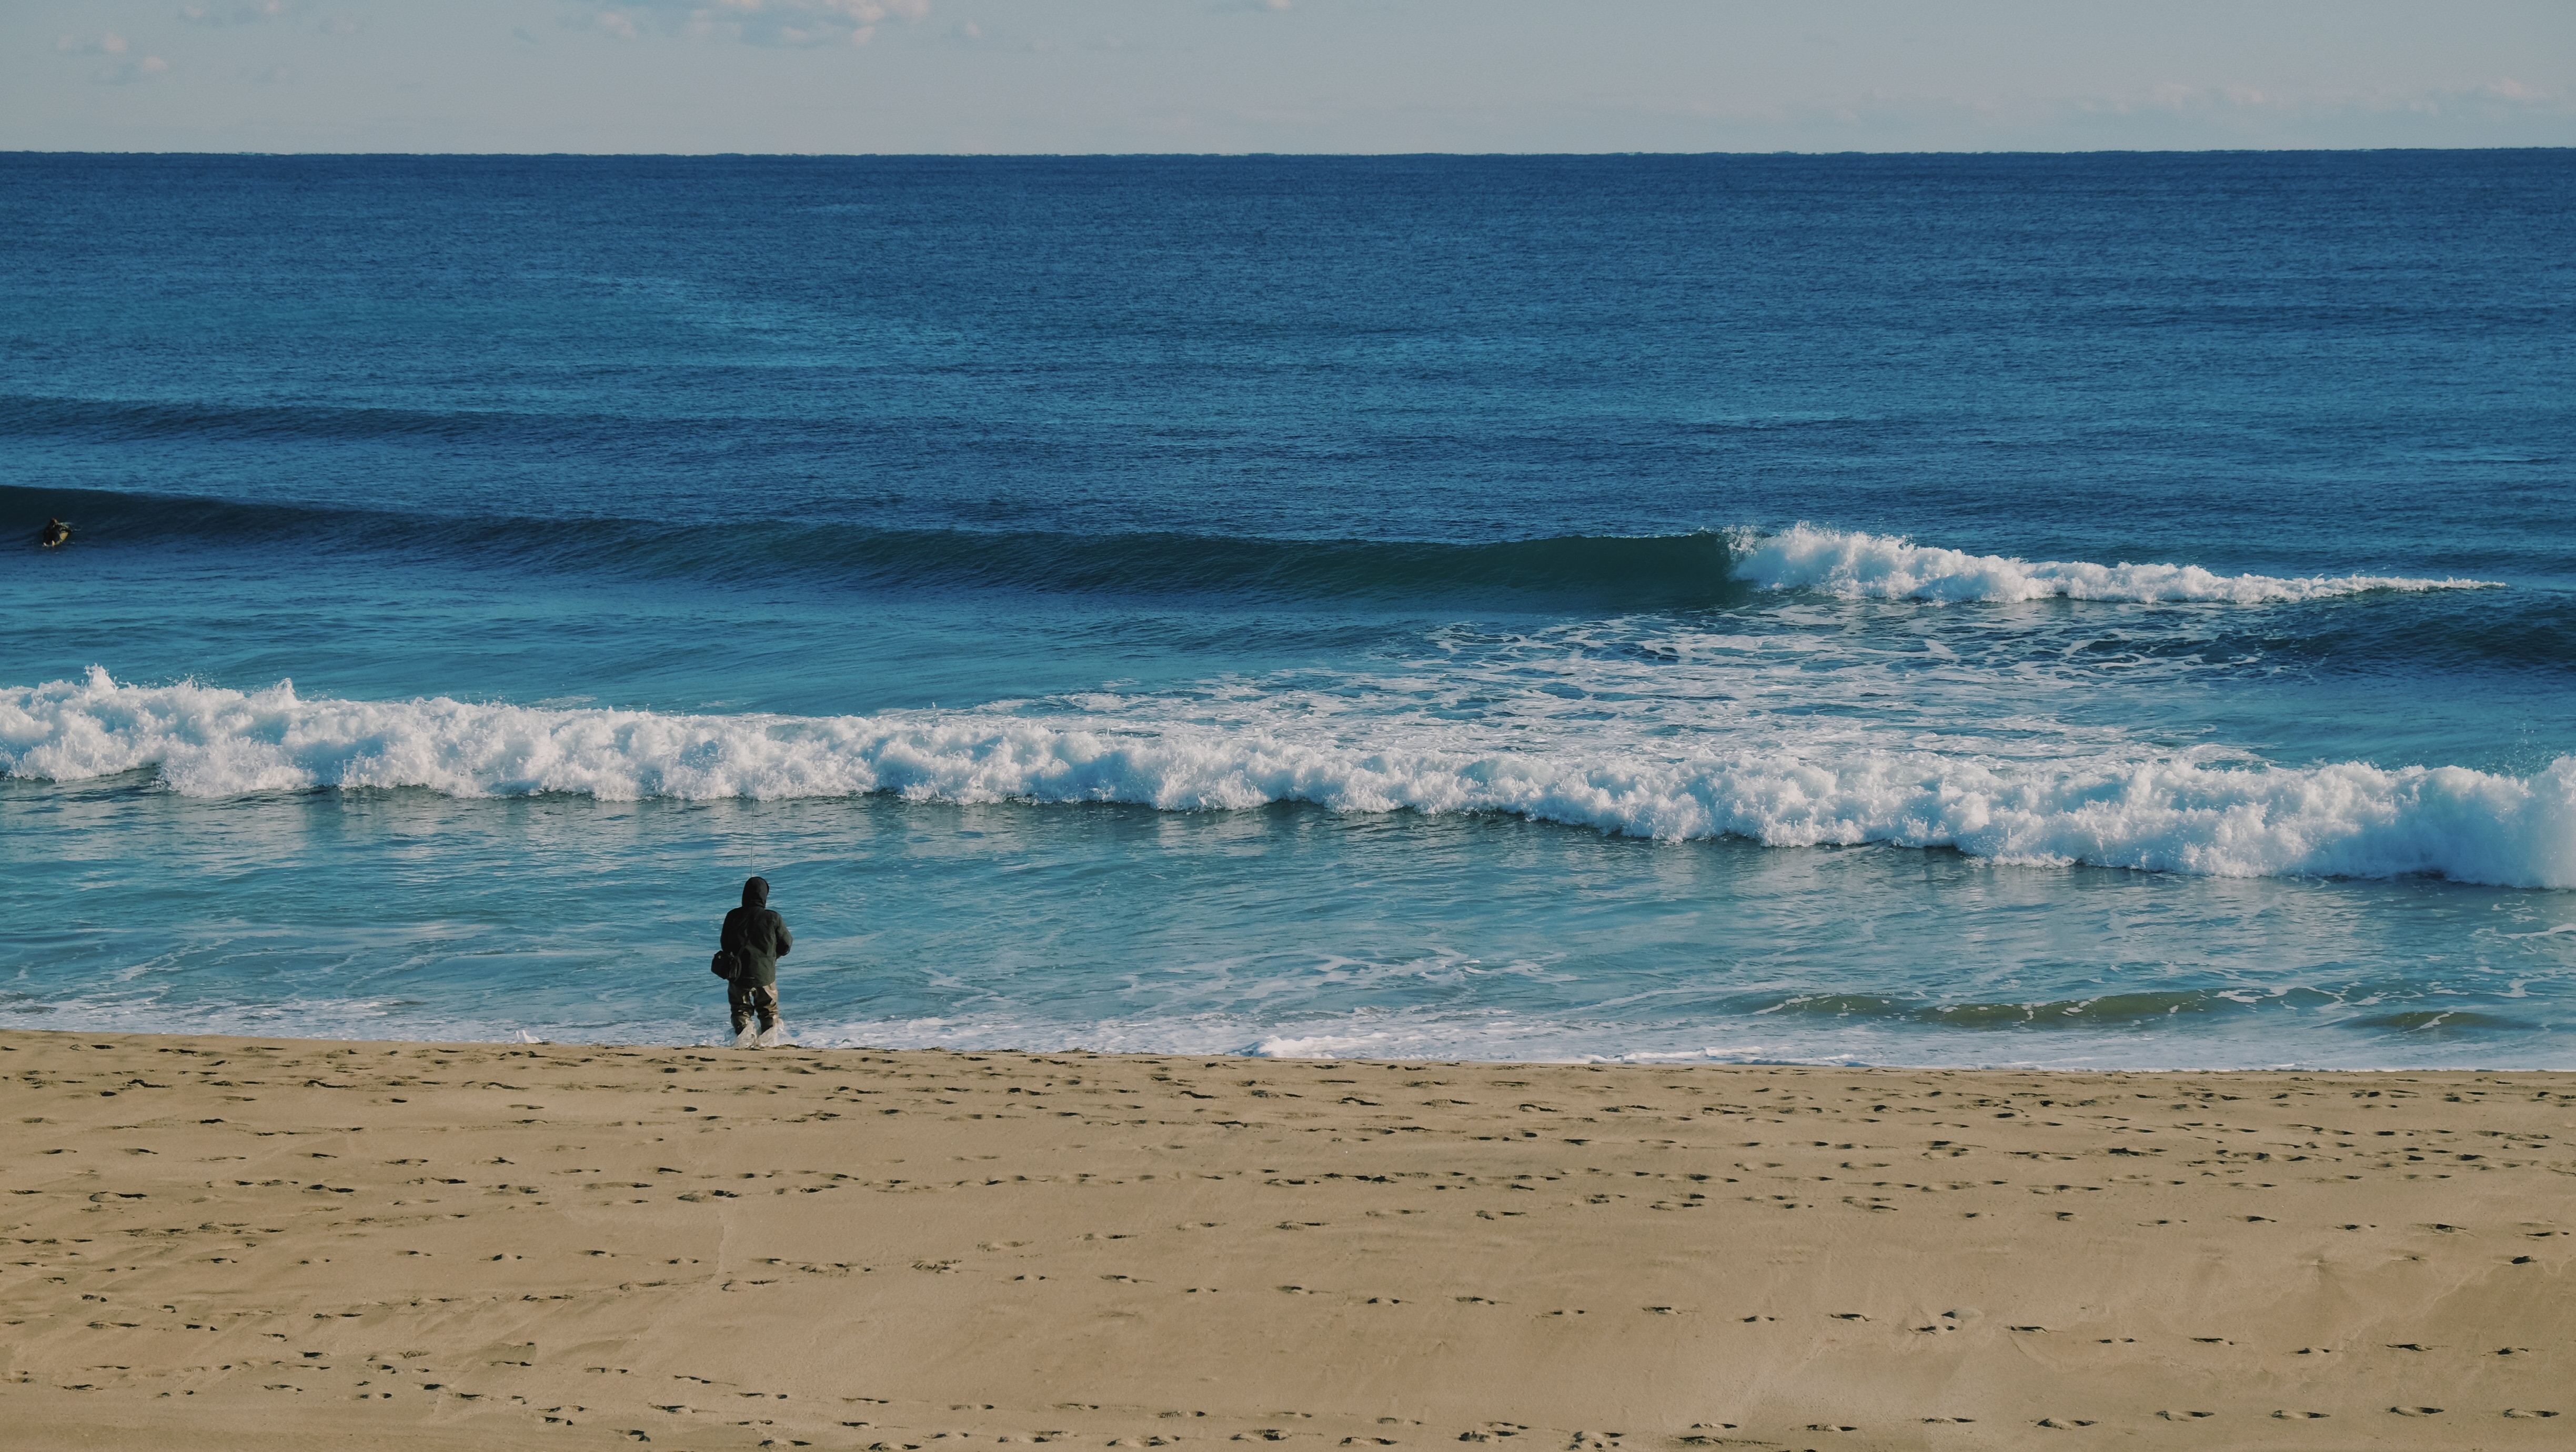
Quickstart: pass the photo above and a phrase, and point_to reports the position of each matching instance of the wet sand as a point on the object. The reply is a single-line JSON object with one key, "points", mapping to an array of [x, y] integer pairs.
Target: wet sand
{"points": [[230, 1243]]}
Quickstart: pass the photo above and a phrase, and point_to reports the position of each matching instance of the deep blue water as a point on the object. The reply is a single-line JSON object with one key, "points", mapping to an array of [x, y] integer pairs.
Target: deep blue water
{"points": [[2112, 609]]}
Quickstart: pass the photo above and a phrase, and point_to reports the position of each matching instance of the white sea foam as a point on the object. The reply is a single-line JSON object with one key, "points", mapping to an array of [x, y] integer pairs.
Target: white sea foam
{"points": [[2163, 813], [1889, 567]]}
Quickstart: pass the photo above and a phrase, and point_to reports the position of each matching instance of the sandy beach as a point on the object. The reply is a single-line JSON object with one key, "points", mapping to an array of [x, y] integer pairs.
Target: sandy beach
{"points": [[221, 1243]]}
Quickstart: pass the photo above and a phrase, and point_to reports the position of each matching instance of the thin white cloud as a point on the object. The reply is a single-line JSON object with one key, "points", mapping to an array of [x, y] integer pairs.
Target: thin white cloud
{"points": [[968, 35], [2171, 115], [2217, 101], [760, 22], [126, 73], [238, 14], [125, 69]]}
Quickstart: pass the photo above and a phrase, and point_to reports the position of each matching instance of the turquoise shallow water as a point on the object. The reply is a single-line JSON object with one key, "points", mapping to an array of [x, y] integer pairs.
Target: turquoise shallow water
{"points": [[2060, 610]]}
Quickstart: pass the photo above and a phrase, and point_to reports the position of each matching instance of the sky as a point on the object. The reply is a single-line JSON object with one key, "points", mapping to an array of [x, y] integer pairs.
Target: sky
{"points": [[1088, 76]]}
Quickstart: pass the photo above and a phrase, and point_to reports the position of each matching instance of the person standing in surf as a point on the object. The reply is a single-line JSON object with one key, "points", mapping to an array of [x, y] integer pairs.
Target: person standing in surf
{"points": [[755, 938]]}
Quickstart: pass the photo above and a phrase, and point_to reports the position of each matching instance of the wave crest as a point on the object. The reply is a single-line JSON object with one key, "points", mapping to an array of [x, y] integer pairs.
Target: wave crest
{"points": [[2344, 820], [1890, 567]]}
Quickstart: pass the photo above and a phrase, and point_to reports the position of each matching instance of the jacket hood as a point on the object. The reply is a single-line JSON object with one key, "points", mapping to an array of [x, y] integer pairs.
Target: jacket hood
{"points": [[755, 893]]}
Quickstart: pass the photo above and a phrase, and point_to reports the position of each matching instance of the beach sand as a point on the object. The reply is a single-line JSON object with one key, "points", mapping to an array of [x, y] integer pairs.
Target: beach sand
{"points": [[229, 1243]]}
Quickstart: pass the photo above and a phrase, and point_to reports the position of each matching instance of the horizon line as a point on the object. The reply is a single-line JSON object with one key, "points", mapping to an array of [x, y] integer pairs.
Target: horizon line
{"points": [[1277, 155]]}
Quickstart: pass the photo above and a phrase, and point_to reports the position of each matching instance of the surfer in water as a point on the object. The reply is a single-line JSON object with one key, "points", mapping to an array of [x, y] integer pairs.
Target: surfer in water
{"points": [[54, 533]]}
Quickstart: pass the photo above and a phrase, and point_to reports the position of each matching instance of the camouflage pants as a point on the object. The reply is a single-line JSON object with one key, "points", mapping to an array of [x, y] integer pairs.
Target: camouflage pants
{"points": [[745, 999]]}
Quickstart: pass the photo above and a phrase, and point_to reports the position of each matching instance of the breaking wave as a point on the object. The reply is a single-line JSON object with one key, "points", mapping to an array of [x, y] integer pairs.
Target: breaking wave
{"points": [[2167, 814], [1705, 569], [1889, 567]]}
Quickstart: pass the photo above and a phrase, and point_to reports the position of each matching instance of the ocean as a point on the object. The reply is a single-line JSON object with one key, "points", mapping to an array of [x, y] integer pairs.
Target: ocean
{"points": [[2103, 610]]}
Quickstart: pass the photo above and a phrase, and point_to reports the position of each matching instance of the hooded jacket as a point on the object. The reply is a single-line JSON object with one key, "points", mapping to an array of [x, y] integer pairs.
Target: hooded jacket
{"points": [[756, 937]]}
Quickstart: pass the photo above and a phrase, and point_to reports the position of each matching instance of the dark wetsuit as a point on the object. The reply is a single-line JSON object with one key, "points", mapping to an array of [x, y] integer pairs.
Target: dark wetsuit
{"points": [[757, 938]]}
